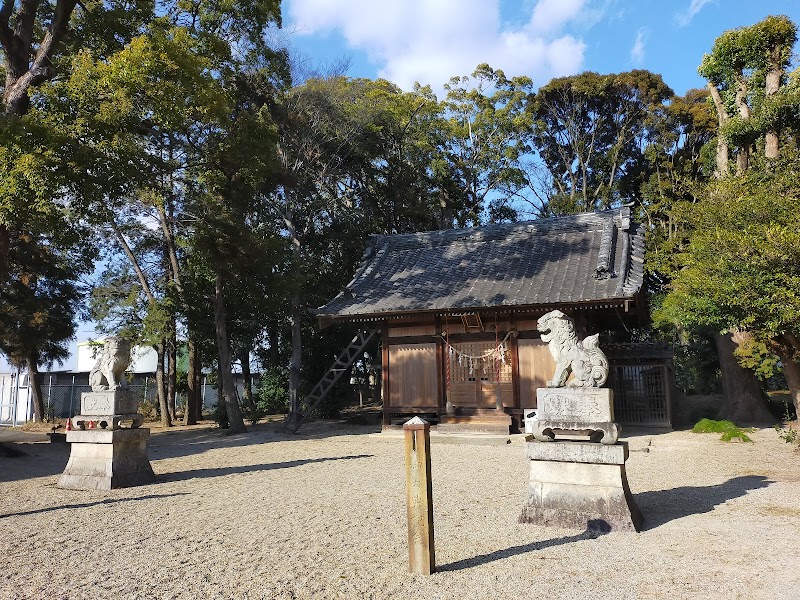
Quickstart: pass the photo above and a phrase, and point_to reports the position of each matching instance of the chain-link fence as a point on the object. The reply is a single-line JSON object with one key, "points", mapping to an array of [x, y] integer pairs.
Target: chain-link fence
{"points": [[62, 400]]}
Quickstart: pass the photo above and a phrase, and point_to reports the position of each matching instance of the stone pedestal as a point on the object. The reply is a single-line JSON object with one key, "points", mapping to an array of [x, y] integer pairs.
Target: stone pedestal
{"points": [[580, 485], [109, 409], [105, 459], [575, 410]]}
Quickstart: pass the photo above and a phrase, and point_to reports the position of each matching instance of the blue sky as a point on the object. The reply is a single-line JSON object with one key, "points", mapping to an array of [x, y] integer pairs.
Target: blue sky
{"points": [[432, 40]]}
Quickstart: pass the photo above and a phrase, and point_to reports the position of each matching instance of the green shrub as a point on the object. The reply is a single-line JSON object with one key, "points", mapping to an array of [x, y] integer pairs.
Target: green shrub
{"points": [[790, 435], [729, 430], [273, 391]]}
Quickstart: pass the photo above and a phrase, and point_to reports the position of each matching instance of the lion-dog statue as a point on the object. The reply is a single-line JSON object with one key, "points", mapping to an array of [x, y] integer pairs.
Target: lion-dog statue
{"points": [[585, 360], [108, 372]]}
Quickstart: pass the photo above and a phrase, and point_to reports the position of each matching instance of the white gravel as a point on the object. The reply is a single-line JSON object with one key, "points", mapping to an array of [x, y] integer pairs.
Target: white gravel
{"points": [[322, 515]]}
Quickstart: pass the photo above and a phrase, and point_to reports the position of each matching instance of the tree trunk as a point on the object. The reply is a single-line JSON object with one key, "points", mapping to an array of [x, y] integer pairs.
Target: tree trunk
{"points": [[172, 371], [743, 152], [722, 145], [297, 356], [791, 370], [223, 347], [19, 47], [787, 347], [190, 415], [743, 399], [161, 388], [35, 386], [247, 379], [273, 354], [772, 84], [296, 361]]}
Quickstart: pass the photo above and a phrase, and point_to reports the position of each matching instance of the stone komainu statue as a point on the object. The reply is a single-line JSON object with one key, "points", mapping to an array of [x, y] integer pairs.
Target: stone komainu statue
{"points": [[108, 373], [585, 360]]}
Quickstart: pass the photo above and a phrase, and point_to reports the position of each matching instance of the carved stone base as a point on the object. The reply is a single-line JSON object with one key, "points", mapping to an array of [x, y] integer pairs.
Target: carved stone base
{"points": [[605, 433], [108, 422], [121, 401], [107, 459], [580, 485]]}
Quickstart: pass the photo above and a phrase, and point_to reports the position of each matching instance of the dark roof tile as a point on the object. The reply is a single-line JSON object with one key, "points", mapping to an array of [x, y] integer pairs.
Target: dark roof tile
{"points": [[580, 258]]}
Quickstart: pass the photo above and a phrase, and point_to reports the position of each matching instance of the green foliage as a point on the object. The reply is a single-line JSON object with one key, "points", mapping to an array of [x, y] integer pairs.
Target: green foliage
{"points": [[789, 434], [728, 430], [39, 299], [741, 268], [789, 429], [697, 366], [485, 134], [273, 391], [740, 65], [589, 132], [754, 354]]}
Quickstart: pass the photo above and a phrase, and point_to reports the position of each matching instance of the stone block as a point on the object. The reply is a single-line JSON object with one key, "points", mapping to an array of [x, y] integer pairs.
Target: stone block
{"points": [[565, 491], [591, 405], [107, 459], [109, 402], [579, 452], [574, 473]]}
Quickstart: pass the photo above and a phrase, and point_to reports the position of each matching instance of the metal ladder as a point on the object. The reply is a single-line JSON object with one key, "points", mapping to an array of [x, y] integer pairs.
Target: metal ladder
{"points": [[339, 367]]}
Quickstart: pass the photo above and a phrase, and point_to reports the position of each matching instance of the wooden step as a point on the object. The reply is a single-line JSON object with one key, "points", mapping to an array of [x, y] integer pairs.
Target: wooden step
{"points": [[477, 423]]}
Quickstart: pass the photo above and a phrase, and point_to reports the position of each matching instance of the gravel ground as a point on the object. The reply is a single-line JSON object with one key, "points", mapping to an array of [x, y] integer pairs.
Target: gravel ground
{"points": [[322, 515]]}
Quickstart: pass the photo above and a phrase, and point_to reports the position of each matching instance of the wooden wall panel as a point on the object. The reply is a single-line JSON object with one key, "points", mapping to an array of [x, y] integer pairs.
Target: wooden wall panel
{"points": [[411, 331], [526, 325], [412, 376], [463, 393], [536, 367]]}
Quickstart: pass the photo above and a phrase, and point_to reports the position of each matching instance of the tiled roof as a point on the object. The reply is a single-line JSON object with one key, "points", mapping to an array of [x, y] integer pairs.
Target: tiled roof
{"points": [[573, 259]]}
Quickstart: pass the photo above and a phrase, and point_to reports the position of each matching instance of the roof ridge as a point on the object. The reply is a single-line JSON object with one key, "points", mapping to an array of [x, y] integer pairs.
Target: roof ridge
{"points": [[560, 223]]}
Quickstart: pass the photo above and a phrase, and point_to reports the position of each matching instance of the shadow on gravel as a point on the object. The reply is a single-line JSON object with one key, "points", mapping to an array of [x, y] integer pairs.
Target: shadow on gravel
{"points": [[32, 460], [174, 442], [90, 504], [663, 506], [220, 472], [593, 531]]}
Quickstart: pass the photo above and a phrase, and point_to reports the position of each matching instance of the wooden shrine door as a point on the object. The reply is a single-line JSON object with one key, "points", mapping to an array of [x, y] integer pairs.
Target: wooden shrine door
{"points": [[475, 383]]}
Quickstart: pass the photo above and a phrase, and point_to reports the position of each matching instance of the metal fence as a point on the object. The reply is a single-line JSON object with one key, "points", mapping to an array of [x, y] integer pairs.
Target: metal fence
{"points": [[643, 379], [641, 394]]}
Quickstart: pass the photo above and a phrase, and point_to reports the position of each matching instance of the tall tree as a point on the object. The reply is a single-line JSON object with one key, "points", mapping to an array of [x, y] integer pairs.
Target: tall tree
{"points": [[39, 299], [484, 141], [745, 71], [740, 270], [590, 133], [36, 42], [750, 114]]}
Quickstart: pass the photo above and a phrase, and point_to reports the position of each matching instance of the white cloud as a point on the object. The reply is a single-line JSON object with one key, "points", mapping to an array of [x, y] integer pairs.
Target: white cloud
{"points": [[685, 17], [551, 15], [637, 50], [432, 40]]}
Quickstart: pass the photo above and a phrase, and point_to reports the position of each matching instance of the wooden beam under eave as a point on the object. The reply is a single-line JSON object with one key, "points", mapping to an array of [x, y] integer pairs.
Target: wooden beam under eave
{"points": [[387, 420], [440, 374]]}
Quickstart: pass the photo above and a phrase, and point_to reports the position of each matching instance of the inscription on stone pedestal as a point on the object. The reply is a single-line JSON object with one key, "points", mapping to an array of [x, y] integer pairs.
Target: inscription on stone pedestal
{"points": [[575, 404], [112, 402]]}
